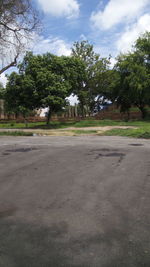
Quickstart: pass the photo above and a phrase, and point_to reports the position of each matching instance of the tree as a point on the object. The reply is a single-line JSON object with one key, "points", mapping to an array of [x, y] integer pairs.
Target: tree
{"points": [[54, 91], [133, 77], [142, 47], [100, 81], [18, 20], [95, 79], [43, 81], [85, 52], [55, 78], [20, 95]]}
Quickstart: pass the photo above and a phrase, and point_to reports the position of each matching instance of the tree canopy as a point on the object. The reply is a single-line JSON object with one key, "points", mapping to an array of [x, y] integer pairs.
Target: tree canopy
{"points": [[95, 67], [43, 81], [46, 80], [132, 85]]}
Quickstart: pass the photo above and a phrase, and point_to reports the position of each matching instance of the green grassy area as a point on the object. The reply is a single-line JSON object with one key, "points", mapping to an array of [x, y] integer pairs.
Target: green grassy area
{"points": [[78, 132], [94, 123], [82, 123], [15, 125], [142, 131], [136, 133], [19, 133]]}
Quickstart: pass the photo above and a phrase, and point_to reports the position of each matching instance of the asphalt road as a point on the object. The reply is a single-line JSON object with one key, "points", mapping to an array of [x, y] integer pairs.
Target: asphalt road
{"points": [[74, 201]]}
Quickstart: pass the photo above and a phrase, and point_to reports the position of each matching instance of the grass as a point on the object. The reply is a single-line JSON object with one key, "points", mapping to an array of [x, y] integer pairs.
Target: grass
{"points": [[15, 125], [16, 133], [142, 131], [78, 124], [78, 132], [135, 133]]}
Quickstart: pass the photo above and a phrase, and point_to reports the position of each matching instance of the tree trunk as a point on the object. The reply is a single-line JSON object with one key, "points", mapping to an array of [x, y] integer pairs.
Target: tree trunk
{"points": [[128, 115], [26, 122], [49, 116], [82, 110], [143, 112]]}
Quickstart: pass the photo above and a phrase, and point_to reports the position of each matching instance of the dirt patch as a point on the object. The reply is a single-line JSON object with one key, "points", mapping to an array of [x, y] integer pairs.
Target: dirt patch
{"points": [[69, 131]]}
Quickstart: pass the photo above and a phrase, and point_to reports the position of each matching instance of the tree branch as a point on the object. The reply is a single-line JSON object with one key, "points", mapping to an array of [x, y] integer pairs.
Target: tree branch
{"points": [[12, 64]]}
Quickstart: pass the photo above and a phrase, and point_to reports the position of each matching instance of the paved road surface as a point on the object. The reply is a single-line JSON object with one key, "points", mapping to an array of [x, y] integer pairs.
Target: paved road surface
{"points": [[74, 202]]}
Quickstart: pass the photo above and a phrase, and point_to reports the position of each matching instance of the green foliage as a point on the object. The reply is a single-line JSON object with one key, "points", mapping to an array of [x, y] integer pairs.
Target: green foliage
{"points": [[43, 81], [20, 94], [46, 80], [136, 133], [95, 78], [15, 133], [84, 50], [132, 77], [2, 91], [84, 132], [142, 128]]}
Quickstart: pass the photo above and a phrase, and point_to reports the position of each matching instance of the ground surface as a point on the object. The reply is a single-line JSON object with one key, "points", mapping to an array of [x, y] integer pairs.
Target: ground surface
{"points": [[74, 201], [69, 131]]}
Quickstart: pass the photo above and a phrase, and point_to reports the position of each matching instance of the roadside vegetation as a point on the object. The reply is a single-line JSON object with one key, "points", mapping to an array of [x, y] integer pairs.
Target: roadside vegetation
{"points": [[45, 81], [15, 133], [141, 130], [78, 124]]}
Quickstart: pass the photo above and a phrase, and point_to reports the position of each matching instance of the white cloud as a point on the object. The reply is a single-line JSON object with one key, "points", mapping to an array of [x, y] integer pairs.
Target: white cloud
{"points": [[52, 45], [3, 79], [117, 11], [132, 32], [59, 8]]}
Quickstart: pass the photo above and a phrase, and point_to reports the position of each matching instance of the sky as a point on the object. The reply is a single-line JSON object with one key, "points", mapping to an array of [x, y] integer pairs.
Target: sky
{"points": [[112, 26]]}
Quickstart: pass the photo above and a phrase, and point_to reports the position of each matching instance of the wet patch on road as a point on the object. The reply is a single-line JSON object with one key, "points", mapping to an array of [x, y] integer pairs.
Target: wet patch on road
{"points": [[136, 145], [7, 211], [17, 150], [27, 149]]}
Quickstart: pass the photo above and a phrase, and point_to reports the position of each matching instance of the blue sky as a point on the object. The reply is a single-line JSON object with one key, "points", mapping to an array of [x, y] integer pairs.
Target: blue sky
{"points": [[112, 26]]}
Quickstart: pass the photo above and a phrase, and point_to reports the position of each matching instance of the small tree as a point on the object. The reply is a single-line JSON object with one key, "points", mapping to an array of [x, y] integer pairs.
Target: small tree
{"points": [[85, 52]]}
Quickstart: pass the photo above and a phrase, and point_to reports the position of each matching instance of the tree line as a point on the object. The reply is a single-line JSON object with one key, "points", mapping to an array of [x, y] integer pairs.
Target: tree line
{"points": [[47, 80]]}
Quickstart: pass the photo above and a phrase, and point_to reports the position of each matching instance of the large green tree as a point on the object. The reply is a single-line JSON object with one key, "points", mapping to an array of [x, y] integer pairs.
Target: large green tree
{"points": [[100, 79], [43, 81], [132, 77], [96, 74], [55, 78]]}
